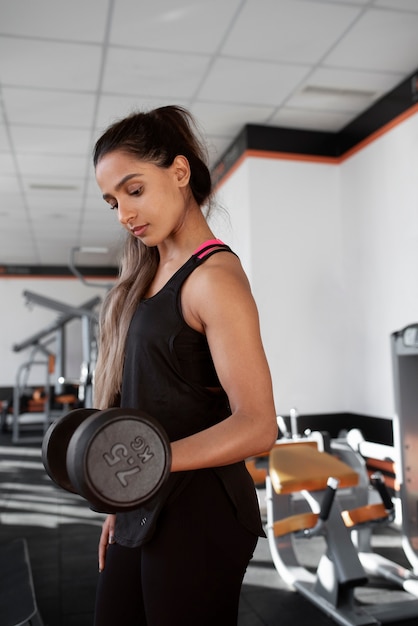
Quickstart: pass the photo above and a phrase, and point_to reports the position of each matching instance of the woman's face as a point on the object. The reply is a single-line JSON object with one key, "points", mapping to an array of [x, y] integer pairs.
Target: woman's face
{"points": [[150, 200]]}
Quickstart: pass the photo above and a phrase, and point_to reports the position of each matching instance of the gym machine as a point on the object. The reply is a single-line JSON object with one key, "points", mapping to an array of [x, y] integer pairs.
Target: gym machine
{"points": [[301, 471], [89, 320], [404, 344], [33, 406], [48, 352]]}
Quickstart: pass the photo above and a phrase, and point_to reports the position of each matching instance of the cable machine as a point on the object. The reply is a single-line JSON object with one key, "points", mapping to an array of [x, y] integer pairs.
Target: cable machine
{"points": [[48, 355]]}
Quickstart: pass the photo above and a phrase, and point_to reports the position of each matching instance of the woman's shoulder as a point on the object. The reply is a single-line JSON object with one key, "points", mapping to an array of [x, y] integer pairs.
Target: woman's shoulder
{"points": [[221, 274], [217, 284]]}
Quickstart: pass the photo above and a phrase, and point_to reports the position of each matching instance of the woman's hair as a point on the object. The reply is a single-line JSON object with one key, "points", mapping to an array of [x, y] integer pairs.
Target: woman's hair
{"points": [[157, 137]]}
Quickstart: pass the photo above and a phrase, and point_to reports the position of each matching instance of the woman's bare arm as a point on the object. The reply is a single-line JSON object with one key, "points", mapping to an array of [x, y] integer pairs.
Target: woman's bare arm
{"points": [[219, 301]]}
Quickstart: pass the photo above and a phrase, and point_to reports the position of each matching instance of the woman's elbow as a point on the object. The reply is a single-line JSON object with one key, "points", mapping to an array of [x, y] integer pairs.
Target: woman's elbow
{"points": [[268, 435]]}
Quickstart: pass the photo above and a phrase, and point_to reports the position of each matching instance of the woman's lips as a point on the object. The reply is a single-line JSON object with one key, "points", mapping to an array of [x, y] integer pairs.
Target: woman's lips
{"points": [[138, 231]]}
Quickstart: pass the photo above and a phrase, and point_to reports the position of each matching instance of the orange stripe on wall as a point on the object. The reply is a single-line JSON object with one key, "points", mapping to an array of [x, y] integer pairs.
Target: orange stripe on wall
{"points": [[382, 131], [289, 156]]}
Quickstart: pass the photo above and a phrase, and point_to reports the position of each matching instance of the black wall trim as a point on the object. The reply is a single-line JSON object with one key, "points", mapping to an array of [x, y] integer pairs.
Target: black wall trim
{"points": [[375, 429], [56, 270], [320, 144]]}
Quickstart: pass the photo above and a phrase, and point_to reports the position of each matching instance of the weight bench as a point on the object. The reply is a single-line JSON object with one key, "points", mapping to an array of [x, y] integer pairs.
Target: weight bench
{"points": [[17, 596], [301, 486]]}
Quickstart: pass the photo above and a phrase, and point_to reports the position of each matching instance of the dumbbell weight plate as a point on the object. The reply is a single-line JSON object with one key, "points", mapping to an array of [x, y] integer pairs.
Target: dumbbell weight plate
{"points": [[118, 459], [55, 444]]}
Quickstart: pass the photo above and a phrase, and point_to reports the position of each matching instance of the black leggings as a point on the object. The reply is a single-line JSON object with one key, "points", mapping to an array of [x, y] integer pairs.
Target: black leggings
{"points": [[189, 574]]}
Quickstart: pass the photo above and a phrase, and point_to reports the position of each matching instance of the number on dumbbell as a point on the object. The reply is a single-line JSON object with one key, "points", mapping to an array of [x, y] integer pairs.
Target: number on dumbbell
{"points": [[79, 456], [121, 475], [112, 460]]}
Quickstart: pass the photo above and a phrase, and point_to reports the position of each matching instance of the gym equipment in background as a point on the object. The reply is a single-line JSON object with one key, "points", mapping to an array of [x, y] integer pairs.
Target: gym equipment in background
{"points": [[299, 472], [404, 349], [47, 355]]}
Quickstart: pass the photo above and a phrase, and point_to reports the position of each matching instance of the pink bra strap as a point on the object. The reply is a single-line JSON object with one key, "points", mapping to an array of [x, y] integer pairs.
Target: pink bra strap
{"points": [[207, 245]]}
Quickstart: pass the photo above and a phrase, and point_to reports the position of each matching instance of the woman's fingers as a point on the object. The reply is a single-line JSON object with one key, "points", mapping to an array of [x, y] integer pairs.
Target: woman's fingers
{"points": [[107, 536]]}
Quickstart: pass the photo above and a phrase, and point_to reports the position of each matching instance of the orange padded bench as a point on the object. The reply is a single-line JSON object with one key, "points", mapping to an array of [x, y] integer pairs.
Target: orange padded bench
{"points": [[299, 466]]}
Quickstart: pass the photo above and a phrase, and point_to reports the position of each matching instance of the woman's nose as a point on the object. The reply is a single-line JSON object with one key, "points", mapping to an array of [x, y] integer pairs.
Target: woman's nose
{"points": [[125, 214]]}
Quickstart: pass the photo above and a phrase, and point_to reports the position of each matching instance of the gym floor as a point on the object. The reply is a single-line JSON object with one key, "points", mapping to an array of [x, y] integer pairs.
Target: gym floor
{"points": [[62, 535]]}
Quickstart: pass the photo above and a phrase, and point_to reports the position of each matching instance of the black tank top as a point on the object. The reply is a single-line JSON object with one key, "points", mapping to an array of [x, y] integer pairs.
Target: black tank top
{"points": [[169, 374]]}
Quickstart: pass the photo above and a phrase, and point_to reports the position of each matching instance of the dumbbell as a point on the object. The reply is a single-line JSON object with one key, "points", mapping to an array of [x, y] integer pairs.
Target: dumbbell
{"points": [[116, 459]]}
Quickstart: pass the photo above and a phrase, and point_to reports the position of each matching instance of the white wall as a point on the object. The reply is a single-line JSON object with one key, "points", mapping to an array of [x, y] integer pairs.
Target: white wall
{"points": [[295, 268], [234, 201], [380, 209], [333, 267]]}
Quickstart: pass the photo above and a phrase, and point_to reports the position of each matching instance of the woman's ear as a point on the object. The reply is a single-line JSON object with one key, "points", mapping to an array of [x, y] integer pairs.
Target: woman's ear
{"points": [[181, 170]]}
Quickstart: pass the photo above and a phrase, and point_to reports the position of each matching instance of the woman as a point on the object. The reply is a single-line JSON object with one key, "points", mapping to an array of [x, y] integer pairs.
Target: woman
{"points": [[179, 340]]}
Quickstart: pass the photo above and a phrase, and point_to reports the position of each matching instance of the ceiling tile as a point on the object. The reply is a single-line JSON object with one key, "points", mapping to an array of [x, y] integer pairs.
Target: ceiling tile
{"points": [[24, 255], [93, 193], [52, 252], [76, 20], [57, 65], [151, 74], [297, 31], [7, 165], [53, 228], [96, 209], [12, 253], [354, 2], [100, 221], [8, 184], [48, 167], [228, 119], [13, 218], [46, 140], [112, 108], [380, 41], [399, 5], [47, 206], [187, 26], [92, 232], [4, 139], [250, 82], [14, 210], [50, 108]]}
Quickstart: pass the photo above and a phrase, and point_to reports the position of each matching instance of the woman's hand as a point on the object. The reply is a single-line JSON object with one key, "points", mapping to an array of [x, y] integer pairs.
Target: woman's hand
{"points": [[107, 537]]}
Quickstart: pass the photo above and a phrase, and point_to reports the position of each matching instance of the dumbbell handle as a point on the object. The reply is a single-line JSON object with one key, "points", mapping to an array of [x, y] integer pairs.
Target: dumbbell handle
{"points": [[378, 483], [328, 499]]}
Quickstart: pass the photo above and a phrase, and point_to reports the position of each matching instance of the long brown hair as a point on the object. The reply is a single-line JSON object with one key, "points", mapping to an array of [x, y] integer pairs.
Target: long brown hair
{"points": [[157, 136]]}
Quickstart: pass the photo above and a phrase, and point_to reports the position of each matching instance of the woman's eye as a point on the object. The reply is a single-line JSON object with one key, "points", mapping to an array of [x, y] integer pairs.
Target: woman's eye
{"points": [[113, 207], [136, 192]]}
